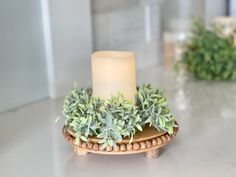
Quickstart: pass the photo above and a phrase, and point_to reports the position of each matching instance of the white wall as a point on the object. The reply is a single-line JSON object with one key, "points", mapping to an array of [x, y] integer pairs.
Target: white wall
{"points": [[214, 8], [23, 74], [232, 8], [128, 25], [178, 14], [68, 35], [45, 46]]}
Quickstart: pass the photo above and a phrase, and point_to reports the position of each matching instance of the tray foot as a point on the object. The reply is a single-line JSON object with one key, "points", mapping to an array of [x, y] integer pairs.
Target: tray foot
{"points": [[152, 154], [78, 151]]}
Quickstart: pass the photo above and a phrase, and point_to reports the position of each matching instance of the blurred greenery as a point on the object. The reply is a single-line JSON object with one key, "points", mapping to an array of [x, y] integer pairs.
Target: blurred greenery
{"points": [[209, 54]]}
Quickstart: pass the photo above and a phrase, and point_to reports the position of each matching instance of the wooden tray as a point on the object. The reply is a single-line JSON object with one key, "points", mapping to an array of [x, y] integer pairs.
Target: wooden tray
{"points": [[148, 141]]}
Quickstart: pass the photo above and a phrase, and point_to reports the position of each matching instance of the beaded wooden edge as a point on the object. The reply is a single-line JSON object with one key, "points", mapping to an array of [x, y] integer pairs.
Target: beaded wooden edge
{"points": [[149, 141]]}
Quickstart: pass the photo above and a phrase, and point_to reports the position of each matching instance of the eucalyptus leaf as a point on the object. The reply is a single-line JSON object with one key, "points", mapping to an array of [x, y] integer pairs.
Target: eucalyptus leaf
{"points": [[114, 119]]}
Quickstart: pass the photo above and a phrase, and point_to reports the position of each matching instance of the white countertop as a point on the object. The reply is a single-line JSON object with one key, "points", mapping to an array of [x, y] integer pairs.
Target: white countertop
{"points": [[31, 144]]}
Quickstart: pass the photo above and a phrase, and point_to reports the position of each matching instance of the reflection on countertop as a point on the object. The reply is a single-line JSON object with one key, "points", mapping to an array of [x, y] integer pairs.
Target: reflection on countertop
{"points": [[31, 143]]}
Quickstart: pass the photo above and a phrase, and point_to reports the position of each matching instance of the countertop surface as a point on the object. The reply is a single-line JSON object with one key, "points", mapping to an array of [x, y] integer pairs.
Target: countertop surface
{"points": [[31, 144]]}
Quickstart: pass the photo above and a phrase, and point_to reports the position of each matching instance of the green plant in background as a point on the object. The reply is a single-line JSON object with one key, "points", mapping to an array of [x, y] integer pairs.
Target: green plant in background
{"points": [[209, 55], [116, 118]]}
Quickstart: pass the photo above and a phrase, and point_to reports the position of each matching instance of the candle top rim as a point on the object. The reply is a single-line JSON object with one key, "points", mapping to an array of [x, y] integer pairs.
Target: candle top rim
{"points": [[113, 54]]}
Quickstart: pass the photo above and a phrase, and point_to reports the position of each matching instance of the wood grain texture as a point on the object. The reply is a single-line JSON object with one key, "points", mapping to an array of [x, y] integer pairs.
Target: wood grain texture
{"points": [[150, 133]]}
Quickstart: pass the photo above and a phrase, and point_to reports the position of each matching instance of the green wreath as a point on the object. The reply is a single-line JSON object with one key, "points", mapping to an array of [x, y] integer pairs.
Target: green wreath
{"points": [[116, 118]]}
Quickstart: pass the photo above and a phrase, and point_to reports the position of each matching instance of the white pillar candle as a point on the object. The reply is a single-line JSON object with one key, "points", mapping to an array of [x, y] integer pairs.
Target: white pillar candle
{"points": [[114, 72]]}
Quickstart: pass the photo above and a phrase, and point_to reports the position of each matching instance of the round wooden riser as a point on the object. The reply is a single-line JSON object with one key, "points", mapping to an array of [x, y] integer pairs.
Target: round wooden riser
{"points": [[149, 154], [149, 141]]}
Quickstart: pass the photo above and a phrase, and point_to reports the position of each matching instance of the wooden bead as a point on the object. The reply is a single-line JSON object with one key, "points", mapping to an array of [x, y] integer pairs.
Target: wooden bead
{"points": [[80, 151], [142, 145], [73, 141], [78, 144], [164, 139], [154, 142], [90, 145], [148, 144], [159, 141], [83, 144], [122, 147], [129, 147], [136, 146], [100, 147], [95, 147], [109, 148], [69, 139], [116, 148], [168, 138]]}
